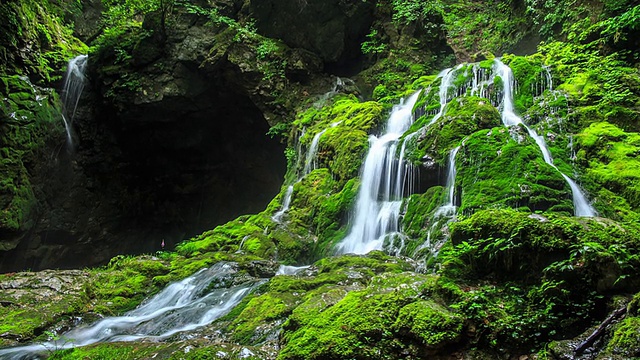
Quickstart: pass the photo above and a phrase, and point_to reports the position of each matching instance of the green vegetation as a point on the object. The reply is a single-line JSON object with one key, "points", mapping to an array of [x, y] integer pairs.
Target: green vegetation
{"points": [[609, 156], [516, 270], [30, 118], [501, 170], [35, 40]]}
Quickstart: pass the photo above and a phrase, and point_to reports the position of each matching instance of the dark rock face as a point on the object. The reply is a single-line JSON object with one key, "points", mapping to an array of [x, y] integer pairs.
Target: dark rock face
{"points": [[184, 151], [332, 29]]}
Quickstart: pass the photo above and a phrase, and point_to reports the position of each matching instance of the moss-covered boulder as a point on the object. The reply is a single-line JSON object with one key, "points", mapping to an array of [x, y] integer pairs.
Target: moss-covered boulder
{"points": [[610, 158], [505, 167], [462, 117]]}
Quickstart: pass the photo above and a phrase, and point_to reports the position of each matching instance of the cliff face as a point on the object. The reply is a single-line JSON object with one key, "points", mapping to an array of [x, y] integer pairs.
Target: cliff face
{"points": [[196, 114]]}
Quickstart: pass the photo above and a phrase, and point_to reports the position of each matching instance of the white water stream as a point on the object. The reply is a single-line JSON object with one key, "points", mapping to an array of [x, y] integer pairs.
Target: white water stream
{"points": [[449, 209], [380, 194], [74, 83], [182, 306], [509, 118]]}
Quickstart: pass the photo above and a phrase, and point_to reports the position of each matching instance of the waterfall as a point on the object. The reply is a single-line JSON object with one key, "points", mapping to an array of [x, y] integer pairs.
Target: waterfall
{"points": [[277, 217], [444, 214], [74, 82], [443, 93], [291, 270], [310, 160], [449, 209], [181, 306], [509, 118], [380, 196], [310, 164]]}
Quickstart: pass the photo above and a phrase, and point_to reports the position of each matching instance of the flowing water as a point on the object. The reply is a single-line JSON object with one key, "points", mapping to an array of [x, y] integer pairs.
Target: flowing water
{"points": [[310, 162], [291, 270], [277, 217], [380, 194], [444, 215], [509, 118], [449, 208], [74, 83], [182, 306]]}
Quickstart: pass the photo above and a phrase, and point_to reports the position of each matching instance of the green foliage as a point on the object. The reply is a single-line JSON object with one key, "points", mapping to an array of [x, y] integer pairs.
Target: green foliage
{"points": [[514, 245], [626, 338], [407, 11], [36, 40], [602, 87], [373, 45], [609, 156], [481, 30], [29, 119], [619, 28]]}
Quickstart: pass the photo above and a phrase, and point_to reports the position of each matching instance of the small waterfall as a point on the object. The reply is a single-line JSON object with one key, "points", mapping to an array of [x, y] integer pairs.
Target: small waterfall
{"points": [[443, 93], [509, 118], [449, 209], [74, 83], [310, 160], [291, 270], [181, 306], [277, 217], [310, 164], [444, 214], [379, 197]]}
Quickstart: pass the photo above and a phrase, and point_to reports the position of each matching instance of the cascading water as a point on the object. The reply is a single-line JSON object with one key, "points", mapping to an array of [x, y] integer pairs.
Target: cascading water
{"points": [[449, 209], [509, 118], [310, 160], [443, 93], [380, 194], [444, 214], [181, 306], [277, 217], [291, 270], [310, 164], [74, 83]]}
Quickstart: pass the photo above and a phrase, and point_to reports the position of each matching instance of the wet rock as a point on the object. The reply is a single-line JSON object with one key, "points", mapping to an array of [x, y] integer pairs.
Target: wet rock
{"points": [[331, 29]]}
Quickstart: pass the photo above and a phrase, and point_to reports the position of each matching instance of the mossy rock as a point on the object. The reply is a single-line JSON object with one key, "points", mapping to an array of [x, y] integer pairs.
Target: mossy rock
{"points": [[610, 157], [504, 168], [531, 78], [374, 323], [430, 322], [626, 339], [31, 122], [463, 116], [346, 122], [518, 245]]}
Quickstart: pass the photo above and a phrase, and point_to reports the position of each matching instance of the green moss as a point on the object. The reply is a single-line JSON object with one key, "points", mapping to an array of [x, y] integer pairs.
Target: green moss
{"points": [[626, 338], [258, 311], [124, 283], [371, 323], [191, 350], [463, 116], [498, 169], [343, 146], [601, 85], [610, 158], [529, 75], [513, 245], [30, 120], [37, 38], [430, 322]]}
